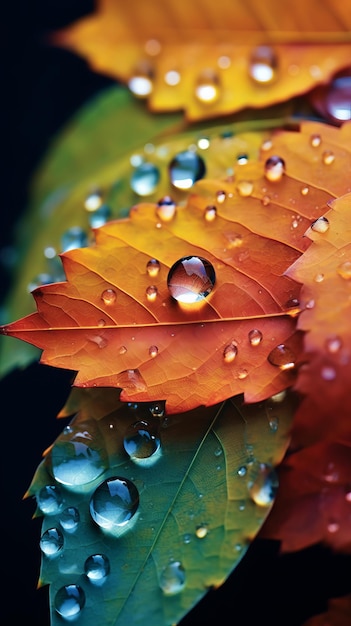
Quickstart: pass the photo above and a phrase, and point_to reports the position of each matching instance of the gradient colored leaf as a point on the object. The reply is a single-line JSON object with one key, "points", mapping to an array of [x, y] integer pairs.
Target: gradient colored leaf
{"points": [[188, 530], [214, 59]]}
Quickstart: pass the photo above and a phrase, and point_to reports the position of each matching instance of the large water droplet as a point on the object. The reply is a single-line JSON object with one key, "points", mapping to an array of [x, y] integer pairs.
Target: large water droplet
{"points": [[185, 169], [145, 179], [263, 487], [263, 65], [69, 519], [109, 297], [274, 168], [191, 279], [172, 578], [282, 356], [69, 601], [207, 89], [141, 440], [97, 568], [338, 99], [77, 456], [51, 542], [255, 337], [49, 499], [114, 503], [73, 238]]}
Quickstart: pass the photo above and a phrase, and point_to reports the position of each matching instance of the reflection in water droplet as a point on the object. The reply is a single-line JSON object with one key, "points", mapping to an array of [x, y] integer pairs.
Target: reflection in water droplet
{"points": [[172, 578], [319, 278], [242, 471], [114, 503], [201, 531], [69, 601], [141, 440], [97, 568], [315, 140], [191, 279], [282, 356], [207, 89], [153, 351], [274, 168], [100, 216], [153, 267], [221, 196], [145, 179], [151, 293], [166, 209], [344, 270], [263, 65], [244, 188], [49, 499], [264, 487], [328, 157], [185, 169], [210, 213], [73, 238], [242, 373], [242, 159], [320, 225], [255, 337], [69, 519], [109, 297], [51, 542], [229, 353], [338, 99]]}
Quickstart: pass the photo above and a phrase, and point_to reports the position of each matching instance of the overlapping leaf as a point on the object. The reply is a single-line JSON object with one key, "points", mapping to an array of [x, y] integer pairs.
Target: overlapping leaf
{"points": [[214, 59]]}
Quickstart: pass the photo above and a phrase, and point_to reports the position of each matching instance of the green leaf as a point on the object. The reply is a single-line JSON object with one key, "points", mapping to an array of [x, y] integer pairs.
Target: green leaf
{"points": [[203, 496]]}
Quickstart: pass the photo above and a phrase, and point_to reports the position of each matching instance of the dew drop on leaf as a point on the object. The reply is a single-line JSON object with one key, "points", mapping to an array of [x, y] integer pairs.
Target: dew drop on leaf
{"points": [[263, 65], [320, 225], [255, 337], [100, 216], [210, 213], [185, 169], [344, 270], [141, 82], [207, 89], [244, 188], [151, 293], [263, 487], [315, 140], [191, 279], [69, 601], [274, 168], [69, 519], [49, 499], [153, 351], [97, 568], [166, 209], [114, 503], [328, 157], [51, 542], [145, 179], [229, 353], [220, 196], [141, 440], [153, 268], [109, 297], [282, 356], [201, 531], [172, 578], [304, 191]]}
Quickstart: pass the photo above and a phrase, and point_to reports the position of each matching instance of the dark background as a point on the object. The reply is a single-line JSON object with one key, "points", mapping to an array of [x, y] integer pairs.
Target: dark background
{"points": [[41, 88]]}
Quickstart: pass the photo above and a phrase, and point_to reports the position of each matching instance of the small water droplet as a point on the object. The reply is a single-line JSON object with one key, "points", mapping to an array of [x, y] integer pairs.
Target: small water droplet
{"points": [[114, 503], [97, 568], [69, 601], [141, 83], [141, 440], [265, 200], [172, 78], [191, 279], [245, 188], [315, 140], [242, 373], [304, 191], [185, 169], [151, 293], [153, 268], [100, 216], [229, 353], [328, 373], [282, 356], [207, 88], [187, 538], [221, 196], [122, 350], [274, 168], [166, 209], [255, 337], [49, 499], [266, 145], [263, 65], [69, 519], [210, 213], [93, 201], [73, 238], [320, 225], [264, 487], [109, 297], [153, 351], [172, 578], [242, 159], [319, 278], [51, 542], [333, 344], [328, 157], [273, 423], [344, 270], [145, 179], [242, 471], [201, 531]]}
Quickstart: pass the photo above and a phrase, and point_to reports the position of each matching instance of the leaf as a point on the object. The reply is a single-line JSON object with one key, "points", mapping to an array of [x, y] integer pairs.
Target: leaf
{"points": [[214, 60], [338, 613], [203, 495]]}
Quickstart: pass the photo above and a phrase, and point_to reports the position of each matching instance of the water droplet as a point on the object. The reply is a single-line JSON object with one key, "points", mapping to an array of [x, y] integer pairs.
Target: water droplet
{"points": [[328, 373], [344, 270], [185, 169], [210, 213], [69, 519], [315, 140], [145, 179], [320, 225], [274, 168], [141, 83], [264, 487], [172, 78], [203, 143], [191, 279], [122, 350], [114, 503], [151, 293], [172, 578], [153, 351], [141, 440], [242, 373], [93, 201], [338, 99], [273, 423], [109, 297], [97, 568], [263, 65], [69, 601], [333, 344], [166, 209], [245, 188], [207, 88], [266, 145], [265, 200], [242, 471], [157, 409], [328, 157], [304, 191], [201, 531], [319, 278], [73, 238], [242, 159], [100, 216], [282, 356], [153, 268], [255, 337], [333, 527], [51, 542], [49, 499], [229, 353], [187, 538]]}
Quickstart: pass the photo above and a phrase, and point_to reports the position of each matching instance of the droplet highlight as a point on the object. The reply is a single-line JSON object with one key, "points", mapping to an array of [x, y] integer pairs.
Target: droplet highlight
{"points": [[114, 503], [263, 65], [210, 213], [166, 209], [245, 188], [191, 279], [69, 519], [344, 270], [69, 601], [255, 337], [141, 440], [97, 568], [153, 268], [109, 297], [51, 542], [264, 486], [49, 499], [151, 293], [282, 356], [230, 352], [207, 88], [320, 225], [185, 169]]}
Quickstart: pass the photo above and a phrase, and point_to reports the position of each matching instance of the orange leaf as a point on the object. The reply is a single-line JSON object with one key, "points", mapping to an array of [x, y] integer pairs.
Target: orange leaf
{"points": [[213, 59]]}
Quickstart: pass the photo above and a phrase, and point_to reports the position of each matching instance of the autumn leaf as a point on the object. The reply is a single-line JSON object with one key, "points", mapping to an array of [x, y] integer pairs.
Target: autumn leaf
{"points": [[213, 60]]}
